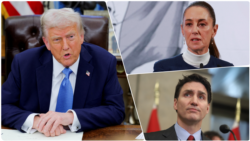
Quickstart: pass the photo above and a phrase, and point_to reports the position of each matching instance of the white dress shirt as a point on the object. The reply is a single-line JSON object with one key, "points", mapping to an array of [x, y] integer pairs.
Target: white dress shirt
{"points": [[182, 134], [195, 60], [57, 79]]}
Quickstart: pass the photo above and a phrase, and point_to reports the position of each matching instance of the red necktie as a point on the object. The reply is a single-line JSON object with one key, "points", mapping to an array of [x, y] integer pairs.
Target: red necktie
{"points": [[190, 138]]}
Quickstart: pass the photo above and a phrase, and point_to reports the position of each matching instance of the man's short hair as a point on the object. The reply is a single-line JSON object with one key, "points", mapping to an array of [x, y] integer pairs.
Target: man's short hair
{"points": [[211, 134], [193, 78], [60, 18]]}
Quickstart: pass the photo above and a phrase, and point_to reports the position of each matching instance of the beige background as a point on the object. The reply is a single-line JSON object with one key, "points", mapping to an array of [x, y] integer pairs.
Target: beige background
{"points": [[142, 87]]}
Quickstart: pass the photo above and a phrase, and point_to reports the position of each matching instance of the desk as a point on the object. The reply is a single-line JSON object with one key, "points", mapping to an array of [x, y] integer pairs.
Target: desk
{"points": [[118, 132]]}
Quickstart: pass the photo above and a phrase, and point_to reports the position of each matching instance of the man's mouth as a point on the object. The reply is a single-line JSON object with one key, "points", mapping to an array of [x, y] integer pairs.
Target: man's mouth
{"points": [[193, 109], [66, 56]]}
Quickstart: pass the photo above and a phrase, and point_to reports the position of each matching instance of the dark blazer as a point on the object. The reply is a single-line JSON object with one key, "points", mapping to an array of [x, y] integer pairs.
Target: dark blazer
{"points": [[98, 98], [168, 134], [177, 63]]}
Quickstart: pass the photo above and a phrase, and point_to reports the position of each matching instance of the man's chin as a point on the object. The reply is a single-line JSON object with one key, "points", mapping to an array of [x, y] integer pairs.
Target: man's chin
{"points": [[66, 65], [193, 117]]}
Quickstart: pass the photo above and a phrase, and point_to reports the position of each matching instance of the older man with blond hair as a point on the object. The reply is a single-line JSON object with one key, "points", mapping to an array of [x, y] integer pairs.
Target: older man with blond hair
{"points": [[65, 83]]}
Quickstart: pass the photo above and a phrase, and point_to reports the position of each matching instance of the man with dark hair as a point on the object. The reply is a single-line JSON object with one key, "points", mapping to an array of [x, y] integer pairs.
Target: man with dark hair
{"points": [[192, 103], [212, 135], [193, 78]]}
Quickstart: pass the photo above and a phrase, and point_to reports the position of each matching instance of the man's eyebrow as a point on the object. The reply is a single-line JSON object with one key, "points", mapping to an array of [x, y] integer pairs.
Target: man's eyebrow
{"points": [[188, 91], [191, 91], [55, 37], [201, 92], [71, 32]]}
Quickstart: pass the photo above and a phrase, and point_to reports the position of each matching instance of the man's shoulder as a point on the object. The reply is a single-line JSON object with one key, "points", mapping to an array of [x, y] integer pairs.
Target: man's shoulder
{"points": [[32, 53], [154, 135], [204, 137], [95, 49], [98, 55], [168, 134]]}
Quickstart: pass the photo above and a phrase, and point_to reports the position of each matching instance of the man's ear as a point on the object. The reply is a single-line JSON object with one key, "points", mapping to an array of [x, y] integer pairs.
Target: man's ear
{"points": [[82, 37], [46, 42], [175, 103], [208, 107]]}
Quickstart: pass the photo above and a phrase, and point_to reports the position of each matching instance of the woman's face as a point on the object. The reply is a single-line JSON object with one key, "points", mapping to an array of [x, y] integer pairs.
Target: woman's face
{"points": [[198, 29]]}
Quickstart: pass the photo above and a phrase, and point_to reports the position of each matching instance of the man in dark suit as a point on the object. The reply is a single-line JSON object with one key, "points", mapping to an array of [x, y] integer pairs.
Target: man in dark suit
{"points": [[65, 83], [191, 101]]}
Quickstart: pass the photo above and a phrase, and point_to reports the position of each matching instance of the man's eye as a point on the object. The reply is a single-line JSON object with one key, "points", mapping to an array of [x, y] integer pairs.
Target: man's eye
{"points": [[71, 36], [201, 97], [187, 94], [56, 40], [188, 24]]}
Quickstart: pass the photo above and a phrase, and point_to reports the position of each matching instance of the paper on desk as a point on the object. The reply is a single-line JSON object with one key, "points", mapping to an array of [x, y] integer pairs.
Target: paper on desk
{"points": [[140, 137], [17, 135]]}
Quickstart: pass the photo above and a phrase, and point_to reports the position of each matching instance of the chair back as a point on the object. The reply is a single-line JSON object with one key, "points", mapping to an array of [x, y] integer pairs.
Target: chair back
{"points": [[24, 32]]}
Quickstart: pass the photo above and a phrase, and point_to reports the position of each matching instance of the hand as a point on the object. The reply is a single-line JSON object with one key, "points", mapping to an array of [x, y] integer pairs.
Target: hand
{"points": [[50, 121], [59, 130]]}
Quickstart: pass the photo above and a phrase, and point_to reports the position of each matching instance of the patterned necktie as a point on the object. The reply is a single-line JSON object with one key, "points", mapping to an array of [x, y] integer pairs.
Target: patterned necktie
{"points": [[65, 95], [190, 138]]}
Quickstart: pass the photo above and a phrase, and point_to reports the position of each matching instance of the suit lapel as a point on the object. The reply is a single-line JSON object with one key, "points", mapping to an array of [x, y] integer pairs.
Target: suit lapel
{"points": [[44, 81], [204, 137], [83, 80], [170, 134]]}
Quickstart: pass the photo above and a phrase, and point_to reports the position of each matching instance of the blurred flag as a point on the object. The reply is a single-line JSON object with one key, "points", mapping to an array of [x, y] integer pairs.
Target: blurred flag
{"points": [[235, 127], [236, 131], [19, 8], [153, 124], [149, 31]]}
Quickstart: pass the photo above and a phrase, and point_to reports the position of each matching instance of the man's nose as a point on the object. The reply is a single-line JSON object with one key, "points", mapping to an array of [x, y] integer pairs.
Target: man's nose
{"points": [[194, 101], [65, 44]]}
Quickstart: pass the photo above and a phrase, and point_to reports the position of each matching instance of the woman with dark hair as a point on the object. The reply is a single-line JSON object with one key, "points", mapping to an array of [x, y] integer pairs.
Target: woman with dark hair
{"points": [[198, 29]]}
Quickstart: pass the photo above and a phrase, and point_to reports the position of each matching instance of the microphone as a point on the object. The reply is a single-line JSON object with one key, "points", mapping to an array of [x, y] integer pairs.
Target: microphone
{"points": [[225, 129], [201, 65]]}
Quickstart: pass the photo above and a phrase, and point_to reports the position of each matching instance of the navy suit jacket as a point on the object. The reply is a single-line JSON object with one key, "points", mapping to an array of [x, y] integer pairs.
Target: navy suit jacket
{"points": [[168, 134], [98, 98], [177, 63]]}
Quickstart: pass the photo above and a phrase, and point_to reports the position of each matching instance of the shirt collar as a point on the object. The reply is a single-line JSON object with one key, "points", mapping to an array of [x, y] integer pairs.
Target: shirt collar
{"points": [[182, 134], [194, 59], [58, 67]]}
